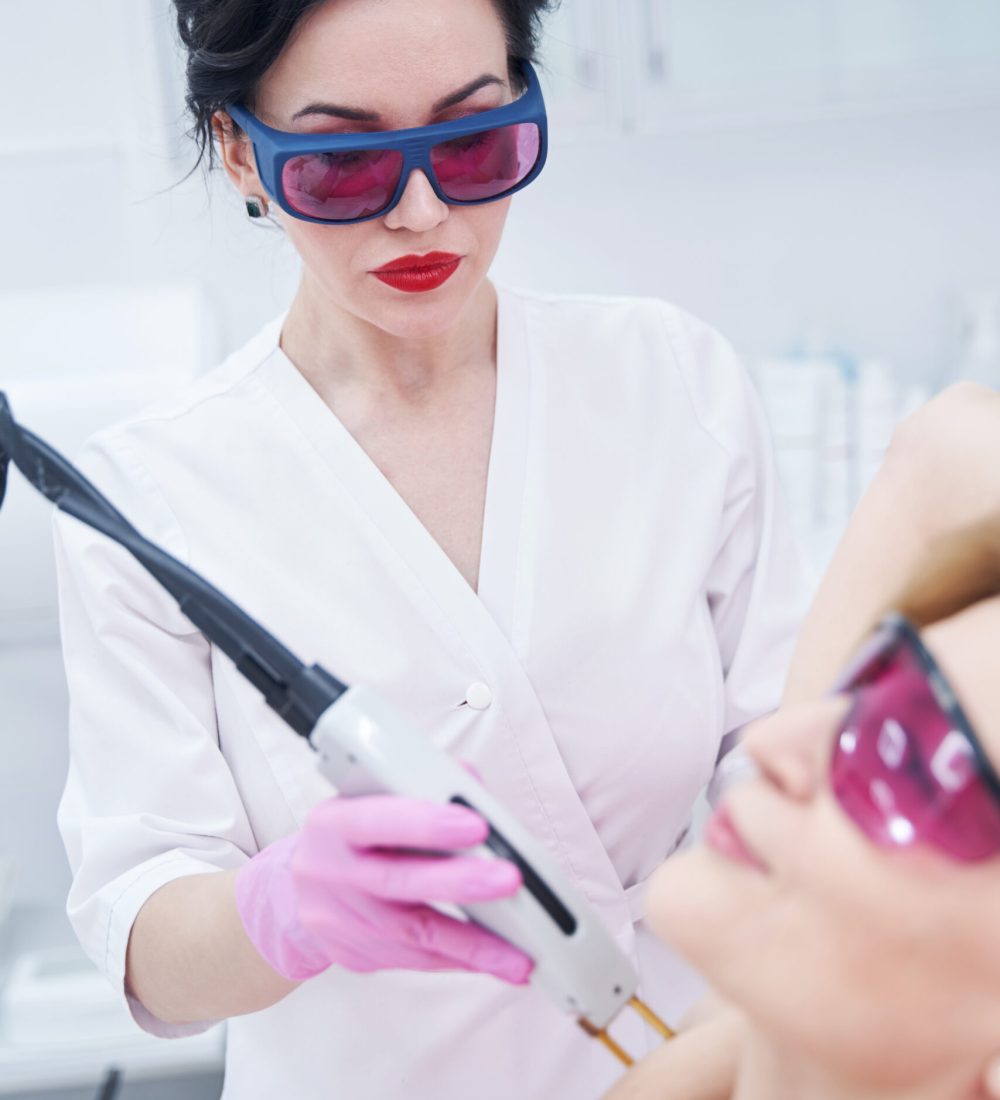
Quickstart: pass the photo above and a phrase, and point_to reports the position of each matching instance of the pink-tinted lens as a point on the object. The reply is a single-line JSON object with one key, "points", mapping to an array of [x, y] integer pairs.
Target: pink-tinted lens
{"points": [[338, 187], [487, 164], [904, 773]]}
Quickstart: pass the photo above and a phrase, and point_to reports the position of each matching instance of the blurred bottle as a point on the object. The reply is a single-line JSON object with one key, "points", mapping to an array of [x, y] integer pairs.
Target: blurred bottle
{"points": [[806, 399], [979, 360], [832, 417], [878, 410]]}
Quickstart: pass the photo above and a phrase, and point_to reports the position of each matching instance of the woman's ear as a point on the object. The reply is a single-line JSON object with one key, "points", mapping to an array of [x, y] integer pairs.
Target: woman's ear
{"points": [[991, 1078], [236, 153]]}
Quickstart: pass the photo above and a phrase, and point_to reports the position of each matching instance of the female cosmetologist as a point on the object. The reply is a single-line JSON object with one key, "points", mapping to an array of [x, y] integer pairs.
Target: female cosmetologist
{"points": [[544, 527]]}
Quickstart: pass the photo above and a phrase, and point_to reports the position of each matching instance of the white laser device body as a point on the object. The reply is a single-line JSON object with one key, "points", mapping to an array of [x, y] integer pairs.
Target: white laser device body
{"points": [[367, 746]]}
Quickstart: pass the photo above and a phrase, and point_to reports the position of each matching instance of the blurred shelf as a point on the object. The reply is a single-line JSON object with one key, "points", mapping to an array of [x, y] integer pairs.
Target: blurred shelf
{"points": [[61, 1065], [55, 144], [71, 1028], [658, 66]]}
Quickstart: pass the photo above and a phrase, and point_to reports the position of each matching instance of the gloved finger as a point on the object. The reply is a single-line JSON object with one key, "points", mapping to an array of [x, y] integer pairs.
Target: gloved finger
{"points": [[402, 933], [404, 877], [365, 933], [461, 943], [391, 821], [515, 968]]}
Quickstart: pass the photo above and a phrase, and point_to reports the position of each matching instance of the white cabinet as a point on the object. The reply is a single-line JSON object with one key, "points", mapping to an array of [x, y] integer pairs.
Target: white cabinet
{"points": [[915, 35], [651, 64], [86, 78], [722, 44], [89, 135], [583, 66], [42, 55]]}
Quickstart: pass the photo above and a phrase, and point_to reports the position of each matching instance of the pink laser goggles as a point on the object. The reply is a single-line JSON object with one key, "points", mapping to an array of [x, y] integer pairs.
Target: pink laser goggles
{"points": [[907, 767], [340, 179]]}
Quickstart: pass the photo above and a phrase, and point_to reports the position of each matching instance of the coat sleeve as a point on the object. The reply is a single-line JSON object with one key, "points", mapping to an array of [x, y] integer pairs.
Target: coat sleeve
{"points": [[757, 586], [149, 797]]}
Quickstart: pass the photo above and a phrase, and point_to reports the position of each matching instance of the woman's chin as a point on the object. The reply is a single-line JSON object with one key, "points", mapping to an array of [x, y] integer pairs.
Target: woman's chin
{"points": [[676, 899], [414, 316]]}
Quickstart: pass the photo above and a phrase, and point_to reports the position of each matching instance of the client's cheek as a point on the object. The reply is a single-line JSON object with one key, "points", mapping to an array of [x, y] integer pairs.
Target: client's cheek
{"points": [[679, 906], [699, 911], [658, 900], [860, 937]]}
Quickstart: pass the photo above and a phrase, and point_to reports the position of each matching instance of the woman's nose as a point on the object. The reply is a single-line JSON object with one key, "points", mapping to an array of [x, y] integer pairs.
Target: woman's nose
{"points": [[792, 746], [419, 208]]}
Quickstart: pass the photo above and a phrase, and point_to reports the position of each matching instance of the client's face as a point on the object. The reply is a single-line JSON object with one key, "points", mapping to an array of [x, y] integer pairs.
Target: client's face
{"points": [[882, 963]]}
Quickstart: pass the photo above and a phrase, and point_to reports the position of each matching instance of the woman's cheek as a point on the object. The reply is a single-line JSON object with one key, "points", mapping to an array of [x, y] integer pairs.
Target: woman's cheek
{"points": [[487, 225], [325, 250], [694, 904]]}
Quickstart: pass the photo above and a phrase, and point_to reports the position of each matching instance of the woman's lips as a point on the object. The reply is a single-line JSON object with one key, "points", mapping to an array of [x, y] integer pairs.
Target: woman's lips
{"points": [[415, 274], [721, 835]]}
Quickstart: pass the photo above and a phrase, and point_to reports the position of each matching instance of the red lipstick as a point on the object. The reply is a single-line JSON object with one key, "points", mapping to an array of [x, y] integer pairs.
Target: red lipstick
{"points": [[416, 274], [722, 836]]}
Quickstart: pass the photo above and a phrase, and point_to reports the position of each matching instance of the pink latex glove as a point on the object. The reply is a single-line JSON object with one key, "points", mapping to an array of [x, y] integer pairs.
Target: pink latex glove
{"points": [[341, 891]]}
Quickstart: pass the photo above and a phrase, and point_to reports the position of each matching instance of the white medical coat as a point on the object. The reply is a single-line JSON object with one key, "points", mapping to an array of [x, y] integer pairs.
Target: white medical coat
{"points": [[637, 599]]}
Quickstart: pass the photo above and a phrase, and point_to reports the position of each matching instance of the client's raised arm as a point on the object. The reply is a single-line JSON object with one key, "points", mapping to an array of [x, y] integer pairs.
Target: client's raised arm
{"points": [[941, 474]]}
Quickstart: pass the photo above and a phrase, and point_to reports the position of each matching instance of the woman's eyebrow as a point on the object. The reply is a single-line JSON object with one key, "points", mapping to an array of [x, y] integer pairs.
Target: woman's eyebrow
{"points": [[356, 114]]}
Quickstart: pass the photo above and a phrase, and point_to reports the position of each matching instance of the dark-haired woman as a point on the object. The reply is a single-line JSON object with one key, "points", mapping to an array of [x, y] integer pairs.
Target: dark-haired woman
{"points": [[546, 528]]}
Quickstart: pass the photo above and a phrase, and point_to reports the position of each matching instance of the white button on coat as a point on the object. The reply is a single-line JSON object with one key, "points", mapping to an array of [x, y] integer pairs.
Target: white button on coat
{"points": [[479, 696]]}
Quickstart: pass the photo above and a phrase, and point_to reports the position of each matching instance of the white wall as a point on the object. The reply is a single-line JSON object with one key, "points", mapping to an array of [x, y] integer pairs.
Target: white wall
{"points": [[860, 232]]}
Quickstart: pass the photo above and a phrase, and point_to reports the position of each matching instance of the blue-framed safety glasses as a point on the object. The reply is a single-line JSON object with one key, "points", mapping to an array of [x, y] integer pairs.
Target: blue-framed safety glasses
{"points": [[339, 179]]}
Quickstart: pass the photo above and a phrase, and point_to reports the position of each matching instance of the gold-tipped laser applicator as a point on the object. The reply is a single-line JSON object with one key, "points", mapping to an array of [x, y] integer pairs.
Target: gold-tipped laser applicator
{"points": [[645, 1012]]}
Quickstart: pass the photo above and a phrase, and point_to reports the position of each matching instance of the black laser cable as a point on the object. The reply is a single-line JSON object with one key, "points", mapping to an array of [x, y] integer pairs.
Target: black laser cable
{"points": [[300, 694], [111, 1085]]}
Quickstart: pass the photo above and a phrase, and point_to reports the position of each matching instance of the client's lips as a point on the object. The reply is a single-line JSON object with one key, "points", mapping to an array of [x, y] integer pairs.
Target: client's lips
{"points": [[723, 837]]}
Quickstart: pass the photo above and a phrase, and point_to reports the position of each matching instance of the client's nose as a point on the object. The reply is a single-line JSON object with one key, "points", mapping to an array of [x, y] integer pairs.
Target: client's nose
{"points": [[792, 747]]}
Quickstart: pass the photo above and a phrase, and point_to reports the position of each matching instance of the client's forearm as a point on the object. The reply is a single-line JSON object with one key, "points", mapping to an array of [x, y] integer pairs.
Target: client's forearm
{"points": [[942, 473], [700, 1064]]}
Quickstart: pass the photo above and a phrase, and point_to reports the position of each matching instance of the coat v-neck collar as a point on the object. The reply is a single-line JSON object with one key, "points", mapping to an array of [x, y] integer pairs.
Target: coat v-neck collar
{"points": [[501, 564]]}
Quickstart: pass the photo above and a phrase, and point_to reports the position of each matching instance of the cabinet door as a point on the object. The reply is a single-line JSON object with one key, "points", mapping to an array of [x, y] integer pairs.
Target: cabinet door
{"points": [[58, 63], [581, 67], [745, 58], [918, 45], [719, 45], [705, 56]]}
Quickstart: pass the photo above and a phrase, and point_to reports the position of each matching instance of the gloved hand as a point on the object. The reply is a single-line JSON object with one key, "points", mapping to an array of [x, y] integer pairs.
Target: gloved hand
{"points": [[341, 891]]}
